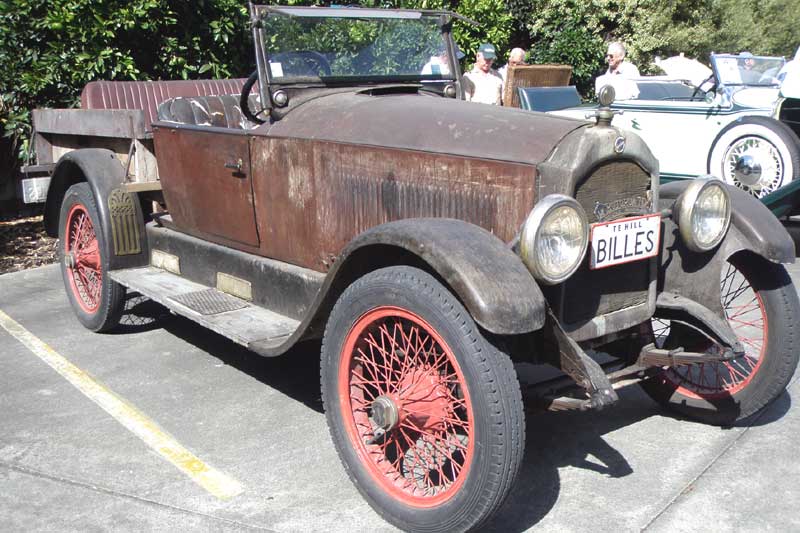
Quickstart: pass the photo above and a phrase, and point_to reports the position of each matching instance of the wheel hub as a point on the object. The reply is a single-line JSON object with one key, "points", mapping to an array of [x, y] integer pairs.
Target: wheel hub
{"points": [[748, 170], [384, 413], [424, 399], [69, 260]]}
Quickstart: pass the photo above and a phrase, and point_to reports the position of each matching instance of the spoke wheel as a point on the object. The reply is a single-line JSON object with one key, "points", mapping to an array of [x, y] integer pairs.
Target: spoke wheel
{"points": [[425, 413], [410, 413], [98, 302], [82, 256], [759, 155], [754, 165], [761, 306], [747, 316]]}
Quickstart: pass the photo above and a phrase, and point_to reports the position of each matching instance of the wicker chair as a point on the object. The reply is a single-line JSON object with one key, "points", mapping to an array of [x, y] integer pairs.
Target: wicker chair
{"points": [[533, 76]]}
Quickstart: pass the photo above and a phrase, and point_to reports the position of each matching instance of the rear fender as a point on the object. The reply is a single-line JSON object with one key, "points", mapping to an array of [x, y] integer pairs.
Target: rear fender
{"points": [[696, 276], [488, 278], [121, 217]]}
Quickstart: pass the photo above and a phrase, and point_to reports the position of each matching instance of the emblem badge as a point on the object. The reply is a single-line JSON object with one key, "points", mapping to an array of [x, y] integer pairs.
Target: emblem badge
{"points": [[619, 145]]}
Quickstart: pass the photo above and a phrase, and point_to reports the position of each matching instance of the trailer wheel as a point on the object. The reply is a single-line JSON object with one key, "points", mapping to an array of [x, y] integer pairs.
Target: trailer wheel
{"points": [[98, 301], [762, 307], [425, 413]]}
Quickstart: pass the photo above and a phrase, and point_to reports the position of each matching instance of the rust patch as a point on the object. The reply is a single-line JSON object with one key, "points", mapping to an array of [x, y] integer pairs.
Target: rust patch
{"points": [[313, 197]]}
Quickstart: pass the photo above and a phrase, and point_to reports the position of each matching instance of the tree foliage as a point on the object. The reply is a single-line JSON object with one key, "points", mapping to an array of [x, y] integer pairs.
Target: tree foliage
{"points": [[50, 50]]}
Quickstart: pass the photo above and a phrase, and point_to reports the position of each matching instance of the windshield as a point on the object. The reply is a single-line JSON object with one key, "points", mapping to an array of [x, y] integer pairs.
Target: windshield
{"points": [[746, 69], [408, 48]]}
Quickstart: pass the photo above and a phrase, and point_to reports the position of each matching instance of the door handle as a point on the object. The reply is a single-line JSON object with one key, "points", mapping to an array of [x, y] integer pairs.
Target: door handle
{"points": [[235, 166]]}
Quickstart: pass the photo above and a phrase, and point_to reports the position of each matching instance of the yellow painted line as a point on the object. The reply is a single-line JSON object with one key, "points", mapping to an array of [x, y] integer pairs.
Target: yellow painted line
{"points": [[215, 482]]}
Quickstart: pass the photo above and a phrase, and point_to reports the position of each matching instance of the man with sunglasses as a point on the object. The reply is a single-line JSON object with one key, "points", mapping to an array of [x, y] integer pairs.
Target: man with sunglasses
{"points": [[619, 73], [615, 57]]}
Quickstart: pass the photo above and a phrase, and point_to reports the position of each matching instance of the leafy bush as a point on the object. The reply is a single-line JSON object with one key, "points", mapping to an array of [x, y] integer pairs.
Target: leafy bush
{"points": [[50, 50]]}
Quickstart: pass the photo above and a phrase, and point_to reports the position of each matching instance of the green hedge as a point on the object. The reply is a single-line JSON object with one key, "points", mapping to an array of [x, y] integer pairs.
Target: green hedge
{"points": [[50, 50]]}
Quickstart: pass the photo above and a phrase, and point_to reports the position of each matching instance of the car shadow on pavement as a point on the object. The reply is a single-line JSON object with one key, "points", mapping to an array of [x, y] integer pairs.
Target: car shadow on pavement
{"points": [[554, 439], [141, 314], [567, 439], [295, 374]]}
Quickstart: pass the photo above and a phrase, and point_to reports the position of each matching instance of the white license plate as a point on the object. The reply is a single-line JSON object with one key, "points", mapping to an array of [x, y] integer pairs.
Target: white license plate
{"points": [[625, 240]]}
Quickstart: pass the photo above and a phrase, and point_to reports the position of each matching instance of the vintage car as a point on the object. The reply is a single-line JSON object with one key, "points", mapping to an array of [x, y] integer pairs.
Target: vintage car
{"points": [[429, 243], [736, 125]]}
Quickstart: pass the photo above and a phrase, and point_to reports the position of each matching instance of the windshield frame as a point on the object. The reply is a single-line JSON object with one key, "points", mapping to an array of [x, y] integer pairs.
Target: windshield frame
{"points": [[716, 66], [259, 12]]}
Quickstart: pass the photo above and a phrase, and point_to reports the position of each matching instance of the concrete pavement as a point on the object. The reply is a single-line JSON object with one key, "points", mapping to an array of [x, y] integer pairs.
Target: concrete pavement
{"points": [[67, 465]]}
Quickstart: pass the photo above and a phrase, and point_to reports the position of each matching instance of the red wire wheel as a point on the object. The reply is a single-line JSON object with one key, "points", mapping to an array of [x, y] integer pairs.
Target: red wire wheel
{"points": [[84, 264], [98, 301], [410, 414], [761, 306], [425, 413], [747, 316]]}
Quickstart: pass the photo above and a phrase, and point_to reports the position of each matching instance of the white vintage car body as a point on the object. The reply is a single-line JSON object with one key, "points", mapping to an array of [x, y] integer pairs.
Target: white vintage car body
{"points": [[691, 131]]}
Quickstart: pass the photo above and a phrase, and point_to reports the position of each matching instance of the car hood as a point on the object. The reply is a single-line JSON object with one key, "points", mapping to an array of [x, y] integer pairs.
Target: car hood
{"points": [[429, 124]]}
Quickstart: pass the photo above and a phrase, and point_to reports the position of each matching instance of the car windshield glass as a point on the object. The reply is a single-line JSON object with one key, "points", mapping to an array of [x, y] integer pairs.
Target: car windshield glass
{"points": [[745, 69], [342, 49]]}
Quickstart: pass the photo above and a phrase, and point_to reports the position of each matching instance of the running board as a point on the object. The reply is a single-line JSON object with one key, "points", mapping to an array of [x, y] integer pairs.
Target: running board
{"points": [[244, 323]]}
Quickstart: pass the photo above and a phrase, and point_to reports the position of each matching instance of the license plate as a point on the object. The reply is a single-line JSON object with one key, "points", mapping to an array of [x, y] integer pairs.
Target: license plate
{"points": [[625, 240]]}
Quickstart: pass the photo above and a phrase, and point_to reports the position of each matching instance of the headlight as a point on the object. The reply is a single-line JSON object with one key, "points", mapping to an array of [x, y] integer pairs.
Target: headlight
{"points": [[703, 214], [554, 238]]}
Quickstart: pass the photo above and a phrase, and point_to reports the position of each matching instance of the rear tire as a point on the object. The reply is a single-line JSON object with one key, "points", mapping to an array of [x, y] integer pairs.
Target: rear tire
{"points": [[762, 307], [98, 301], [401, 353]]}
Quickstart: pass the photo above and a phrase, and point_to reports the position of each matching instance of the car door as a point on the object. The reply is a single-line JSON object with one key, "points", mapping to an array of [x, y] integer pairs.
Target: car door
{"points": [[207, 184]]}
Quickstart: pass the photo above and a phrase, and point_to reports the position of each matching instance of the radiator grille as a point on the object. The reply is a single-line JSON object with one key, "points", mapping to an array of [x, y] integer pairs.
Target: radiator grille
{"points": [[614, 190]]}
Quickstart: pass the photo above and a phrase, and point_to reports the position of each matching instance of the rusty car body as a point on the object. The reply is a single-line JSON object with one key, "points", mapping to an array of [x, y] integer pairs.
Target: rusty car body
{"points": [[430, 243]]}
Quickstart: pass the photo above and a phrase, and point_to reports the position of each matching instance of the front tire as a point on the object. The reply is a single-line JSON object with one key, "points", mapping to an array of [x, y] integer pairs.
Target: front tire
{"points": [[762, 307], [425, 413], [97, 301], [757, 154]]}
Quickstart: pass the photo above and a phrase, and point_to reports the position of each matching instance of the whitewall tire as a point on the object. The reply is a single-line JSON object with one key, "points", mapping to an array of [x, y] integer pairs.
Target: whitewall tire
{"points": [[757, 154]]}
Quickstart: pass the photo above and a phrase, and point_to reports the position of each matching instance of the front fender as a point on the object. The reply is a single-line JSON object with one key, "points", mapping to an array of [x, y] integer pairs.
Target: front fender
{"points": [[121, 217], [489, 279], [697, 275]]}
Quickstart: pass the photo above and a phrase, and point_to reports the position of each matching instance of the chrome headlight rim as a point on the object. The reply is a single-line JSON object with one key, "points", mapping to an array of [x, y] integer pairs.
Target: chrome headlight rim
{"points": [[531, 230], [684, 213]]}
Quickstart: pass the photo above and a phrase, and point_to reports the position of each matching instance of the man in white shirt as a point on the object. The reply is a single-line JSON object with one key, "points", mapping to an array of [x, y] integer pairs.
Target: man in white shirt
{"points": [[619, 73], [615, 57], [483, 84]]}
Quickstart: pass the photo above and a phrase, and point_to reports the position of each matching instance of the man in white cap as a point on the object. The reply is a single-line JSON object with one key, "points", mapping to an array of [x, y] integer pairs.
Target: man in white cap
{"points": [[483, 84]]}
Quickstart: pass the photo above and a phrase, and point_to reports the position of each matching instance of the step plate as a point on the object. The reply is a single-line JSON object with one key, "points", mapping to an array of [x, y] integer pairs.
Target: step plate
{"points": [[209, 302], [246, 324]]}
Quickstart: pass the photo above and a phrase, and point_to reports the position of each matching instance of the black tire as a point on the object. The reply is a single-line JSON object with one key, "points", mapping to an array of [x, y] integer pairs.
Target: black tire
{"points": [[773, 150], [98, 301], [474, 459], [722, 394]]}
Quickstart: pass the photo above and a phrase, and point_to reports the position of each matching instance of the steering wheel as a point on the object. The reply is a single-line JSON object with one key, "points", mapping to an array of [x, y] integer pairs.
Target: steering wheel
{"points": [[244, 99], [698, 88], [302, 63]]}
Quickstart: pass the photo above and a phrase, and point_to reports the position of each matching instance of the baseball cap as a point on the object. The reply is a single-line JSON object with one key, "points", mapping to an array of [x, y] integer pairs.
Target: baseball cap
{"points": [[487, 50]]}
